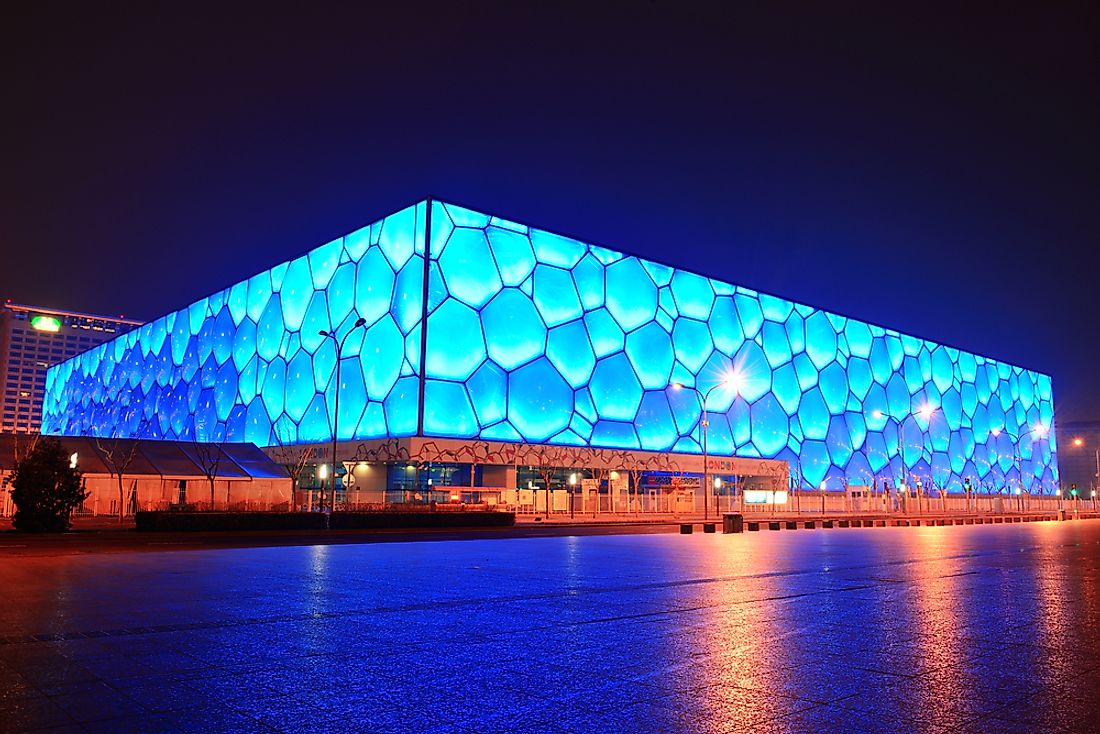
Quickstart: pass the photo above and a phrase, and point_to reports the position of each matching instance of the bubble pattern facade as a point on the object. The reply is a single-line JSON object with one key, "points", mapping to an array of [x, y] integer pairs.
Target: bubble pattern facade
{"points": [[248, 363], [535, 337]]}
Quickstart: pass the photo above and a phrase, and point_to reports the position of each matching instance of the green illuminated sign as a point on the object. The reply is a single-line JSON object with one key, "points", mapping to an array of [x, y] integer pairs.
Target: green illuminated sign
{"points": [[46, 323]]}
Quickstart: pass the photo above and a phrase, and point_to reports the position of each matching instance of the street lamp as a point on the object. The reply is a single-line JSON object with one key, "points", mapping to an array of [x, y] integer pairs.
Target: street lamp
{"points": [[1079, 443], [339, 342], [1038, 431], [572, 494], [731, 380]]}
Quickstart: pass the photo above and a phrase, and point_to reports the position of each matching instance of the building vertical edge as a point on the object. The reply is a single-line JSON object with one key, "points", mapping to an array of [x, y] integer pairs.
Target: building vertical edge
{"points": [[424, 314]]}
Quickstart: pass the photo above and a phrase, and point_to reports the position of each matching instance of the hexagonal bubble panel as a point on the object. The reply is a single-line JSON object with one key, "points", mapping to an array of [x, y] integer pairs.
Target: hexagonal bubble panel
{"points": [[555, 295], [448, 409], [631, 294], [651, 354], [540, 401], [615, 388], [537, 337], [571, 353], [456, 356], [467, 267], [514, 331]]}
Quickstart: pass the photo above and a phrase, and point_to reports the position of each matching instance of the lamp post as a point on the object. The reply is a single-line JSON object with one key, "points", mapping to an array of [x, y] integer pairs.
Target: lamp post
{"points": [[730, 380], [1038, 431], [925, 411], [572, 494], [1078, 443], [339, 342]]}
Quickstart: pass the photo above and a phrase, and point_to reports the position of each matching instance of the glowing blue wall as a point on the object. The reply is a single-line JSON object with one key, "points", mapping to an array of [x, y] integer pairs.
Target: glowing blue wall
{"points": [[536, 337], [248, 363]]}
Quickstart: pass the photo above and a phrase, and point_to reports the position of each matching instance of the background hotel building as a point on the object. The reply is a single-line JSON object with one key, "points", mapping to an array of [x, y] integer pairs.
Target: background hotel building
{"points": [[33, 339]]}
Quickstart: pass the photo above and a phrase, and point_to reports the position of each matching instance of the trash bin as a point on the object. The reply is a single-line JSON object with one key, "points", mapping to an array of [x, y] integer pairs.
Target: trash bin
{"points": [[1061, 514], [733, 522]]}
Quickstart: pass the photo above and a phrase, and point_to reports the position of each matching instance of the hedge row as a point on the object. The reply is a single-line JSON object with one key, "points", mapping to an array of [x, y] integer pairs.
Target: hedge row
{"points": [[448, 519], [156, 521]]}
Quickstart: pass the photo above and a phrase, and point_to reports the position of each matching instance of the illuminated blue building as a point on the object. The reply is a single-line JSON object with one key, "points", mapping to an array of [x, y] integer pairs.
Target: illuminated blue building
{"points": [[482, 328]]}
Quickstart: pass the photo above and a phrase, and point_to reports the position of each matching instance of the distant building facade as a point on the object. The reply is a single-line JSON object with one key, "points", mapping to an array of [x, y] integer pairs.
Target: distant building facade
{"points": [[1079, 456], [33, 339]]}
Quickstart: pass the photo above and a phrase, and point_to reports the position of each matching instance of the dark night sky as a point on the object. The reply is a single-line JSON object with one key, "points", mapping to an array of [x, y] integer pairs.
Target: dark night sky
{"points": [[932, 171]]}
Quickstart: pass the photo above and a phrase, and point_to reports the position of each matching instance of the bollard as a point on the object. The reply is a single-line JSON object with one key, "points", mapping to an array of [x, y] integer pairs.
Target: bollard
{"points": [[754, 526], [792, 525], [686, 529], [826, 523], [810, 525], [870, 523], [708, 527], [773, 525], [733, 522], [880, 523], [844, 523]]}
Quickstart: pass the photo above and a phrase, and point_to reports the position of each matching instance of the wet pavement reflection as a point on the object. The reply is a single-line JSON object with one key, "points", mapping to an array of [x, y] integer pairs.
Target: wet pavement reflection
{"points": [[969, 629]]}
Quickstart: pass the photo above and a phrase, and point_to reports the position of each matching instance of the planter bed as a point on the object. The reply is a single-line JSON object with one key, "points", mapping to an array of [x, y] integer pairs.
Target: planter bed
{"points": [[174, 521]]}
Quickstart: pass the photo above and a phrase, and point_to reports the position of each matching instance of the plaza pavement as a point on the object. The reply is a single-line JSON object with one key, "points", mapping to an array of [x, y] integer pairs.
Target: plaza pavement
{"points": [[991, 628]]}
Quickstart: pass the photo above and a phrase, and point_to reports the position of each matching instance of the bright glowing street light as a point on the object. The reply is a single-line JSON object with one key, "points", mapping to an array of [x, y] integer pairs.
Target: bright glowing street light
{"points": [[73, 459], [731, 381]]}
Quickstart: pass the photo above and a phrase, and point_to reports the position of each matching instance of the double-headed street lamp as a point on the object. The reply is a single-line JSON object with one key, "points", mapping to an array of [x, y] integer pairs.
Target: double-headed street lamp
{"points": [[339, 342], [925, 411], [731, 380], [1036, 432]]}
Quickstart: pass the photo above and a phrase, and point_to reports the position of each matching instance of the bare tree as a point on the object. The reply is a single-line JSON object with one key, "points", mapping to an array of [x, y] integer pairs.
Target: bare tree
{"points": [[294, 459], [208, 456], [601, 472], [548, 459], [118, 454], [634, 469]]}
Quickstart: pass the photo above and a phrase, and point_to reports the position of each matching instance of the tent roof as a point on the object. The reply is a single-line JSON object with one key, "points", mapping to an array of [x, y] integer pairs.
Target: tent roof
{"points": [[168, 459]]}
